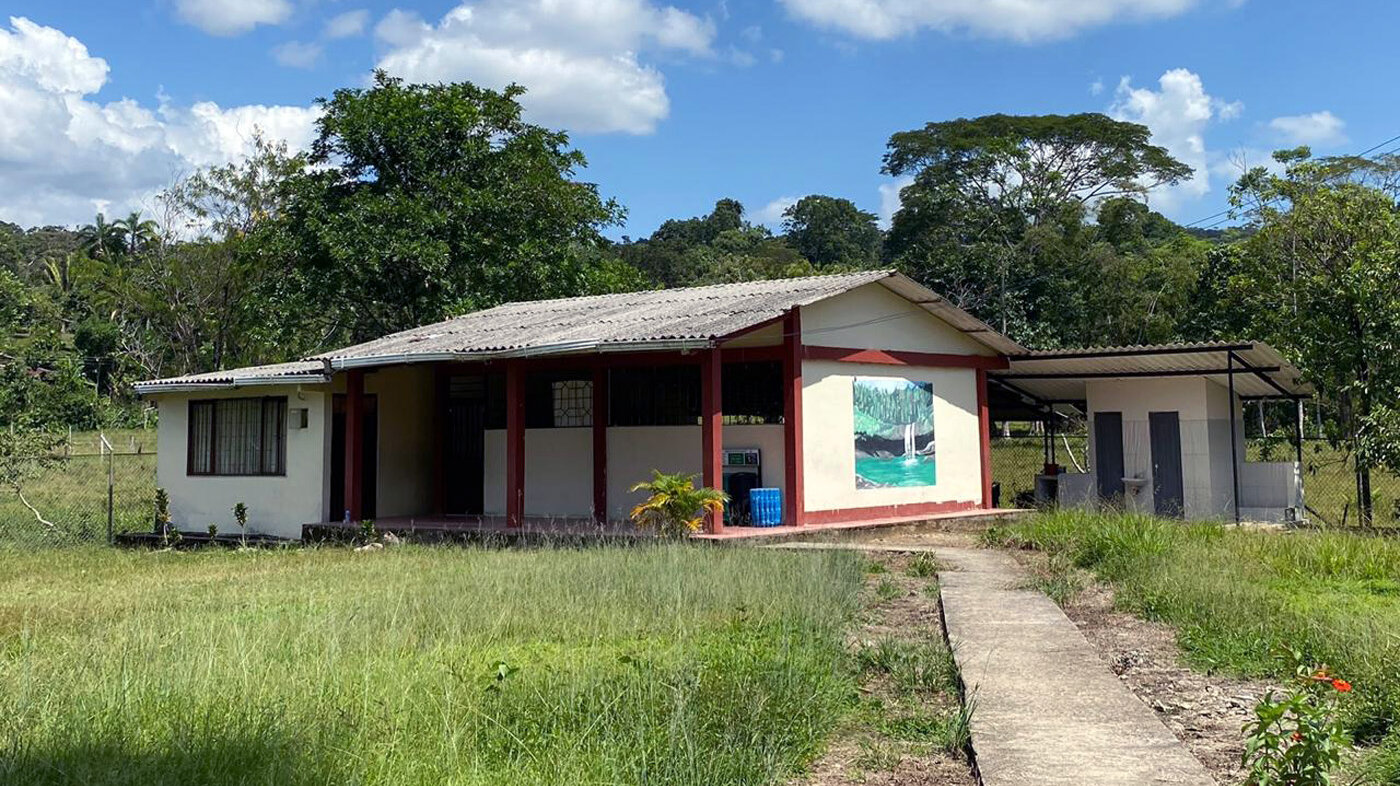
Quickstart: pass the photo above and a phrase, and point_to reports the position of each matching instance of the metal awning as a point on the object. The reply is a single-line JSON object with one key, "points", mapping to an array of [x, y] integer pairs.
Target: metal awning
{"points": [[1060, 377]]}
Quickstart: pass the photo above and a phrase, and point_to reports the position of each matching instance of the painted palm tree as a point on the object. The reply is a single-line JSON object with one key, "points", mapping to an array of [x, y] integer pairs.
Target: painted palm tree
{"points": [[136, 232], [100, 239]]}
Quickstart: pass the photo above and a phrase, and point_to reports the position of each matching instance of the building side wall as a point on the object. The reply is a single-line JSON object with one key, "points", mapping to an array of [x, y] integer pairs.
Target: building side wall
{"points": [[559, 464], [829, 437], [406, 452], [277, 505], [873, 317]]}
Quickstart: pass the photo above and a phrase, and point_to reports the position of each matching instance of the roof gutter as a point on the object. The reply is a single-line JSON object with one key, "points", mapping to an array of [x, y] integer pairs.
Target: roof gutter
{"points": [[147, 388]]}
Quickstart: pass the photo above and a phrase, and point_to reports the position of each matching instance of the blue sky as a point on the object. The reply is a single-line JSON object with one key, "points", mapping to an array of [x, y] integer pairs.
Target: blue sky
{"points": [[677, 105]]}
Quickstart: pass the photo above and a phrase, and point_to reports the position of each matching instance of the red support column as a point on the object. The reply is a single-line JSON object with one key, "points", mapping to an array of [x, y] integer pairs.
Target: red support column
{"points": [[354, 442], [711, 430], [600, 444], [984, 426], [515, 444], [794, 506]]}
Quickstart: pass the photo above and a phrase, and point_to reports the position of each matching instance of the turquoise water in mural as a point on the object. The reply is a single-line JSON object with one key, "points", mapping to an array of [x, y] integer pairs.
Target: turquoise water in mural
{"points": [[895, 472]]}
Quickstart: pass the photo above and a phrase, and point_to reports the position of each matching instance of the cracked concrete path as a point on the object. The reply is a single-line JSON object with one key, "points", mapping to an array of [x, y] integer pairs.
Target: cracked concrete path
{"points": [[1046, 709]]}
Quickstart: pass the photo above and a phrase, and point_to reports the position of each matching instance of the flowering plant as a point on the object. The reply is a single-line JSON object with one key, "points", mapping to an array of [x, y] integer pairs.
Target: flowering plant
{"points": [[1296, 739]]}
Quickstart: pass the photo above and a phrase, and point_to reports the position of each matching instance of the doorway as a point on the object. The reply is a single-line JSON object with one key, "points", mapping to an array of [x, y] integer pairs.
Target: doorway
{"points": [[1168, 497], [464, 446], [369, 468], [1108, 456]]}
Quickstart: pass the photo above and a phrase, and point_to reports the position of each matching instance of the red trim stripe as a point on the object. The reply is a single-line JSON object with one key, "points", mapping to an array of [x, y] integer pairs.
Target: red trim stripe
{"points": [[794, 506], [844, 515], [895, 357]]}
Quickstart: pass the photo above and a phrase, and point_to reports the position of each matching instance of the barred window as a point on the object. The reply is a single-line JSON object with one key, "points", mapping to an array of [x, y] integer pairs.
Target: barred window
{"points": [[238, 436], [658, 396], [559, 399]]}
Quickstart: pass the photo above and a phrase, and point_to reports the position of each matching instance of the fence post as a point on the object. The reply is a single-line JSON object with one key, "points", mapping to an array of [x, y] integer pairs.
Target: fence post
{"points": [[111, 484]]}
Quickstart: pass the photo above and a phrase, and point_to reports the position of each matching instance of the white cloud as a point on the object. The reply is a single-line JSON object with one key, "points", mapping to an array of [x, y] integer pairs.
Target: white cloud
{"points": [[62, 153], [1323, 129], [1178, 114], [579, 59], [346, 25], [296, 54], [889, 199], [232, 17], [1096, 87], [1018, 20], [771, 214]]}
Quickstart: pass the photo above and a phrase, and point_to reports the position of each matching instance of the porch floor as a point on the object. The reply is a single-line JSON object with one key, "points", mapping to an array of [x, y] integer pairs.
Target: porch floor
{"points": [[581, 528]]}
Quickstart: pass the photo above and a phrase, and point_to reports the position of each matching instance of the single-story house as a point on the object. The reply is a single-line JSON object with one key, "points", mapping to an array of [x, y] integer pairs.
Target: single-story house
{"points": [[861, 397]]}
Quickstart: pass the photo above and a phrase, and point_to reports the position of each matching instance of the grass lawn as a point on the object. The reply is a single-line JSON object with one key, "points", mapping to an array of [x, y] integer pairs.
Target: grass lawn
{"points": [[1236, 596], [659, 664]]}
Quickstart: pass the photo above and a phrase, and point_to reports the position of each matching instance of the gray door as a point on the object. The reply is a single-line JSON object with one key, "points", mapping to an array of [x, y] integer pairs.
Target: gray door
{"points": [[1108, 455], [1168, 498]]}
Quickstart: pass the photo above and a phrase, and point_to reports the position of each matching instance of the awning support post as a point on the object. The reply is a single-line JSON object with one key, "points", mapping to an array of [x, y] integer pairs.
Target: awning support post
{"points": [[1234, 440]]}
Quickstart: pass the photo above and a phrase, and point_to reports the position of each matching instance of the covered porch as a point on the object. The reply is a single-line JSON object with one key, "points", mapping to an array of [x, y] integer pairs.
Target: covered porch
{"points": [[555, 442], [1165, 427]]}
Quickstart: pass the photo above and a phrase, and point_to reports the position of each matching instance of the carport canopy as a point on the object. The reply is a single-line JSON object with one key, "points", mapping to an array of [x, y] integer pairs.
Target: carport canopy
{"points": [[1056, 379]]}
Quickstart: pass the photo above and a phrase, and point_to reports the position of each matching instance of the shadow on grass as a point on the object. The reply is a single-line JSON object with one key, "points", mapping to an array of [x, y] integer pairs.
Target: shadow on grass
{"points": [[112, 761]]}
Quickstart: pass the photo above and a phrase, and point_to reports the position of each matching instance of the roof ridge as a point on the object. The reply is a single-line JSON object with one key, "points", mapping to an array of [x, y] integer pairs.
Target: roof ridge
{"points": [[874, 273]]}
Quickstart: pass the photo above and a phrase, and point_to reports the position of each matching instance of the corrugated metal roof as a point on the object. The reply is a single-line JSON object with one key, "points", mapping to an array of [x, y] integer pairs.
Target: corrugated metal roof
{"points": [[1061, 374], [301, 371], [691, 317], [664, 318]]}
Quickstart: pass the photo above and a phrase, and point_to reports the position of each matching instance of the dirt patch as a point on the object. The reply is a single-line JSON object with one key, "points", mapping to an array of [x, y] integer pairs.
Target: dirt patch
{"points": [[1205, 711], [902, 608]]}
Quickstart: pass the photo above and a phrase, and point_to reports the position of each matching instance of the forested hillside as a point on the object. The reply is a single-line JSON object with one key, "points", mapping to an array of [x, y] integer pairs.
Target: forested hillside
{"points": [[418, 202]]}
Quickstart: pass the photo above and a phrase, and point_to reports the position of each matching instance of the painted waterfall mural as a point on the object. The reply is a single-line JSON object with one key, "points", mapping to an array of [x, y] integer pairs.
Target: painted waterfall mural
{"points": [[894, 433]]}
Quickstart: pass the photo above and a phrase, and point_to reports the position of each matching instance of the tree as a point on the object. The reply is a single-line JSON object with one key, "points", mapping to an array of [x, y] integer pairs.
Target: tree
{"points": [[996, 203], [136, 232], [832, 232], [1323, 279], [102, 240], [425, 201]]}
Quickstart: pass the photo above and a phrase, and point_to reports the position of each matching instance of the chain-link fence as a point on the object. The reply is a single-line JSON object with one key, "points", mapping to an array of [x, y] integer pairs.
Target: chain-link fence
{"points": [[98, 484], [1329, 478]]}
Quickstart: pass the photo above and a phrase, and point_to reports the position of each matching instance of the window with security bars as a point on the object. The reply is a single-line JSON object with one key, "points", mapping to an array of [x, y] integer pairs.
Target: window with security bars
{"points": [[238, 436], [558, 400]]}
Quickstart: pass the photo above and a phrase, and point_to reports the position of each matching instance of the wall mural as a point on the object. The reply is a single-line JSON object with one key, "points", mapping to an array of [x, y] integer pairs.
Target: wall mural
{"points": [[894, 433]]}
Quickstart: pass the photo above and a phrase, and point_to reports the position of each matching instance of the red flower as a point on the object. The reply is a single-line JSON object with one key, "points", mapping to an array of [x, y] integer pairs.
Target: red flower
{"points": [[1342, 685], [1297, 736]]}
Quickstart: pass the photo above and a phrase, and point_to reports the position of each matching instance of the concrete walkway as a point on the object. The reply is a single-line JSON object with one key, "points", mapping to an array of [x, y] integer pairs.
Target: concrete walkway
{"points": [[1046, 709]]}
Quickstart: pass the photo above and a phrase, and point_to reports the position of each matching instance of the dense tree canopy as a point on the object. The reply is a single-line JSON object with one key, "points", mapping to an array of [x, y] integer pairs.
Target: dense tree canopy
{"points": [[832, 232], [996, 212], [425, 201]]}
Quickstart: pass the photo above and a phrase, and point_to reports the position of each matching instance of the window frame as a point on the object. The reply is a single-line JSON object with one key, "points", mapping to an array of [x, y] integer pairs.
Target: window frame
{"points": [[213, 441]]}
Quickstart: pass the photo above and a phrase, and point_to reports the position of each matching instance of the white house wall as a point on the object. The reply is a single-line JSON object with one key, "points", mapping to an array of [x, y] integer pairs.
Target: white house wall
{"points": [[406, 452], [872, 317], [559, 464], [277, 505], [828, 433]]}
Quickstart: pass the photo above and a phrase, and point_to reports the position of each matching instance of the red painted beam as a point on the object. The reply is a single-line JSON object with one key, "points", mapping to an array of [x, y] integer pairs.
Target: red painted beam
{"points": [[984, 429], [794, 498], [600, 444], [711, 430], [354, 442], [901, 358], [515, 444]]}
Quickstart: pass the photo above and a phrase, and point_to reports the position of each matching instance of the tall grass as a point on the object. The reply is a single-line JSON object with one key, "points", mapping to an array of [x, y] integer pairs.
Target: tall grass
{"points": [[654, 664], [1236, 596]]}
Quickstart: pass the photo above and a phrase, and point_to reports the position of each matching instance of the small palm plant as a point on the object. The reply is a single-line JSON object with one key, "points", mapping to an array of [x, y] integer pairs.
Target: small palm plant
{"points": [[674, 506]]}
